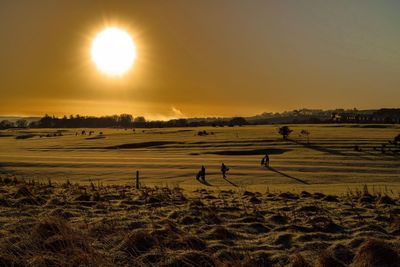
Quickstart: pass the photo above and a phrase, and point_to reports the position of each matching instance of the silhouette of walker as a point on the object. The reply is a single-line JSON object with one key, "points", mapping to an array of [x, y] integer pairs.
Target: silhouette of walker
{"points": [[265, 160], [201, 175], [224, 169]]}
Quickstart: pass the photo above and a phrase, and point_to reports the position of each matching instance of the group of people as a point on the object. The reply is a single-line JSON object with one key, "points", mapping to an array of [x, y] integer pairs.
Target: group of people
{"points": [[201, 175]]}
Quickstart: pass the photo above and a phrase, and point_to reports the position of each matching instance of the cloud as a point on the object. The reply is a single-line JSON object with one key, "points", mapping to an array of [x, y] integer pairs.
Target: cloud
{"points": [[177, 113]]}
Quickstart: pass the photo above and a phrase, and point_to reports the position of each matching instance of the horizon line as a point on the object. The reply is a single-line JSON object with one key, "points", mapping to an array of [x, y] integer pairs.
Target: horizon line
{"points": [[192, 117]]}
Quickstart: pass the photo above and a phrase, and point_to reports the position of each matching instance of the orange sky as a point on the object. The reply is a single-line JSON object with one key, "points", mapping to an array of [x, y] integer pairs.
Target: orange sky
{"points": [[201, 58]]}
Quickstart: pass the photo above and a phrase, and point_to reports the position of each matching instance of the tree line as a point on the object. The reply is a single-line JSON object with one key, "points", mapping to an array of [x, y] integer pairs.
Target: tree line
{"points": [[116, 121]]}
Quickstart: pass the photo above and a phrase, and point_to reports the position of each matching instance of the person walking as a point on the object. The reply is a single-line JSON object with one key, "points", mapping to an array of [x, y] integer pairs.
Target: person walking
{"points": [[265, 160], [198, 176], [203, 173], [224, 169], [266, 164]]}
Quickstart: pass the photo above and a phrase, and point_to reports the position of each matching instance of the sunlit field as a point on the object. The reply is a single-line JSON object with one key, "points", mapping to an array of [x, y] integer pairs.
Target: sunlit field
{"points": [[70, 199], [173, 156]]}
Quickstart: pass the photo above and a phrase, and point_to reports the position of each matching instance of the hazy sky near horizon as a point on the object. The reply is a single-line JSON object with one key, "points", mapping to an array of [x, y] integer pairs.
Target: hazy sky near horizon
{"points": [[201, 58]]}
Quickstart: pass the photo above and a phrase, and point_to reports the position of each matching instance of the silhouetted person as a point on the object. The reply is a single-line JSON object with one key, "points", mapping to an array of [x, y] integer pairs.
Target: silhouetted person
{"points": [[265, 160], [198, 176], [203, 173], [224, 169]]}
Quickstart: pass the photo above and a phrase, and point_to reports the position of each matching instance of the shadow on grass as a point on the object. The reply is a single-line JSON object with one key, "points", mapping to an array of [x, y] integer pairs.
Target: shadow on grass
{"points": [[204, 182], [380, 154], [325, 150], [232, 183], [319, 148], [270, 151], [287, 175]]}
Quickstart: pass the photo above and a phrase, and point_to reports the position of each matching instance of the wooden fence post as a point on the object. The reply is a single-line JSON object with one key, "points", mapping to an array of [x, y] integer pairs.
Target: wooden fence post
{"points": [[137, 179]]}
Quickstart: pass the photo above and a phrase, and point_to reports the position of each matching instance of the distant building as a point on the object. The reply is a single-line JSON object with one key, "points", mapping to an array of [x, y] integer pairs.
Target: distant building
{"points": [[378, 116], [388, 115], [345, 117]]}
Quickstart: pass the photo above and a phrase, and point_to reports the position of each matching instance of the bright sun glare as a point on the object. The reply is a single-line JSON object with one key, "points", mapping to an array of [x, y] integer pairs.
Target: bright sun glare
{"points": [[113, 51]]}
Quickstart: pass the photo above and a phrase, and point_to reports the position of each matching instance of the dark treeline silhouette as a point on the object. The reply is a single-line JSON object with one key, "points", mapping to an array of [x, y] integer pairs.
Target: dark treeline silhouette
{"points": [[123, 121], [117, 121], [303, 116]]}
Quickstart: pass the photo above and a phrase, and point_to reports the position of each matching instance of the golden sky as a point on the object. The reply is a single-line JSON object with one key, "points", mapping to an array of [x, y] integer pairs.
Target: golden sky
{"points": [[201, 58]]}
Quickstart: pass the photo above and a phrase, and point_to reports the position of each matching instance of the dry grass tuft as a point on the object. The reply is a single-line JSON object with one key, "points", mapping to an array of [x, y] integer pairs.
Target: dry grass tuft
{"points": [[376, 253], [326, 260], [342, 253], [298, 261], [50, 241], [137, 242], [221, 233], [386, 200], [189, 259], [44, 261], [257, 259]]}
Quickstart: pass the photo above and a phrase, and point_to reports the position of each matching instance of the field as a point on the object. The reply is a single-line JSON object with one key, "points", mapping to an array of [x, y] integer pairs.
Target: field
{"points": [[173, 156], [70, 199]]}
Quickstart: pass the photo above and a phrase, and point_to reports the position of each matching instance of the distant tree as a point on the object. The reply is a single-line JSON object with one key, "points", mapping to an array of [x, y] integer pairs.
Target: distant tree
{"points": [[285, 131], [125, 120], [22, 123], [33, 124], [46, 122], [5, 124], [238, 121], [139, 121], [306, 134], [396, 140], [177, 123]]}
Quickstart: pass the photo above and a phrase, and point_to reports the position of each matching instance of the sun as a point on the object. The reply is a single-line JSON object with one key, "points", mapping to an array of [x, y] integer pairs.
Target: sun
{"points": [[113, 51]]}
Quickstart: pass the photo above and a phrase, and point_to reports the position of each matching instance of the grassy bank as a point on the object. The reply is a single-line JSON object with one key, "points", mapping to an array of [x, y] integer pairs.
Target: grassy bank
{"points": [[117, 225]]}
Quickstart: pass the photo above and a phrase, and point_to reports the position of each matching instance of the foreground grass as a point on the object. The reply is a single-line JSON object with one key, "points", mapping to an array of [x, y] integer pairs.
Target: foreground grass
{"points": [[94, 225]]}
